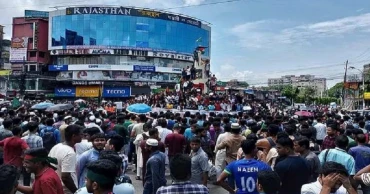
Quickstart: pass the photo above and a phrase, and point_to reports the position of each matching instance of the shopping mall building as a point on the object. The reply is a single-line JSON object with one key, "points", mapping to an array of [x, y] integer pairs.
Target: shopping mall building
{"points": [[119, 51]]}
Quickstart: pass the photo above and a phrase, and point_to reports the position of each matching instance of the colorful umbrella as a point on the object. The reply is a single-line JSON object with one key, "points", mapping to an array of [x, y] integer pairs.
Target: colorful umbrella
{"points": [[304, 114], [139, 108], [42, 105]]}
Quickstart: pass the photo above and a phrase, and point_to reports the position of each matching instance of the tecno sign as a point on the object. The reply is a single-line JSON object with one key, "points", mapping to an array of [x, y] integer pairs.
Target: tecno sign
{"points": [[116, 91]]}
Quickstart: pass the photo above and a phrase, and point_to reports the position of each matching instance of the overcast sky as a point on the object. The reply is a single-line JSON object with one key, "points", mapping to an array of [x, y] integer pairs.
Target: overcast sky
{"points": [[253, 40]]}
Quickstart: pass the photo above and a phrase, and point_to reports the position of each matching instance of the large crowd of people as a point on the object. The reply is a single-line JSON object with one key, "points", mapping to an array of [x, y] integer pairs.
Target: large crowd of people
{"points": [[262, 150]]}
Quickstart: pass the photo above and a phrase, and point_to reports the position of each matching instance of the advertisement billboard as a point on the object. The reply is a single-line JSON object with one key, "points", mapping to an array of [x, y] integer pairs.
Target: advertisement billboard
{"points": [[65, 92], [117, 92], [88, 91], [367, 95], [58, 67], [92, 75], [133, 12], [118, 76], [35, 14], [183, 57], [19, 42], [144, 68], [18, 54]]}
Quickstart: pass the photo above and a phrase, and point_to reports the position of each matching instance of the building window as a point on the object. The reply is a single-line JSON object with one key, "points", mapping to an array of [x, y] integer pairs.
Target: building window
{"points": [[33, 54], [32, 68], [41, 54]]}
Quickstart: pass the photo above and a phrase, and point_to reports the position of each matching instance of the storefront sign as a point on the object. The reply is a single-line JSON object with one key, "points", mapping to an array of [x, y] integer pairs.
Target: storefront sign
{"points": [[35, 14], [58, 67], [19, 42], [87, 91], [70, 52], [84, 83], [171, 56], [18, 54], [116, 92], [144, 68], [101, 51], [367, 95], [132, 12], [65, 92], [35, 35]]}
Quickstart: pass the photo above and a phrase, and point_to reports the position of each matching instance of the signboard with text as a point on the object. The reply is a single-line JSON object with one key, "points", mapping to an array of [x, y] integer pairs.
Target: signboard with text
{"points": [[18, 54], [35, 14], [133, 12], [116, 92], [144, 68], [58, 67], [87, 91], [65, 92]]}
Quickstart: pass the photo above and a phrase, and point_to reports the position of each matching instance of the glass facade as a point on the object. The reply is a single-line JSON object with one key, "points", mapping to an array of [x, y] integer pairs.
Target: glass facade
{"points": [[127, 31]]}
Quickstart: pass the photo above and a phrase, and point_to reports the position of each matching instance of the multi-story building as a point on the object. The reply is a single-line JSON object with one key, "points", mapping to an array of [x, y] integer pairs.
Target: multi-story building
{"points": [[29, 55], [122, 51], [302, 81]]}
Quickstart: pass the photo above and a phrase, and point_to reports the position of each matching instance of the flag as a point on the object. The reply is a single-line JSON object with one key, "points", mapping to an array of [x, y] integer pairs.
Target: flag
{"points": [[199, 39]]}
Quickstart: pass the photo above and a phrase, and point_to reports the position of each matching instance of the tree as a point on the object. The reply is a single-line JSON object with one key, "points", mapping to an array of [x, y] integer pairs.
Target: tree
{"points": [[290, 92], [336, 90]]}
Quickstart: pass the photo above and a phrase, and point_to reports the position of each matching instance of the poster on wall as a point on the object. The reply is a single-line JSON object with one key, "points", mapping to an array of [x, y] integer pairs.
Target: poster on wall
{"points": [[19, 42], [64, 75], [92, 75], [121, 75], [18, 54]]}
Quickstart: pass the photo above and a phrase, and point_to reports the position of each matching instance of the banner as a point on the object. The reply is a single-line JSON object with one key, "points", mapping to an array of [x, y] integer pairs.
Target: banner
{"points": [[70, 52], [101, 51], [18, 54], [87, 91], [133, 12], [35, 35], [35, 14], [170, 56], [65, 92], [58, 67], [19, 42], [144, 68], [84, 83], [65, 75], [367, 95], [117, 92], [92, 75]]}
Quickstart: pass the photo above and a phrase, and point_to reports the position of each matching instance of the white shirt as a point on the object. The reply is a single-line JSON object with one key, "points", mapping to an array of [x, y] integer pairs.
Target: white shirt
{"points": [[320, 131], [82, 147], [67, 161], [315, 188]]}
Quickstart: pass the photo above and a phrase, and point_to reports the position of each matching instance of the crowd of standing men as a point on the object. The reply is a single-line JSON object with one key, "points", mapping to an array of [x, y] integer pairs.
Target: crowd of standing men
{"points": [[257, 152]]}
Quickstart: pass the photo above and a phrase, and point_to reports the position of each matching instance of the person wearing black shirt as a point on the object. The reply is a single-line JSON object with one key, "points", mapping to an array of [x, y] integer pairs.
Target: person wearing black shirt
{"points": [[293, 170]]}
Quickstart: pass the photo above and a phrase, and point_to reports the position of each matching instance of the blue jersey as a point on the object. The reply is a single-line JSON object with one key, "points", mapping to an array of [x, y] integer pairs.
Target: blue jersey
{"points": [[245, 174]]}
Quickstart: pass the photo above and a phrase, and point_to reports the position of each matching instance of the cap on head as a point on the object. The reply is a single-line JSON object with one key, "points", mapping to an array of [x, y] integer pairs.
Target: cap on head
{"points": [[152, 142]]}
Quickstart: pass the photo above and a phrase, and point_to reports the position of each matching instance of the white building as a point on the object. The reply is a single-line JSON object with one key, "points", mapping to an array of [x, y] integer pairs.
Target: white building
{"points": [[302, 81]]}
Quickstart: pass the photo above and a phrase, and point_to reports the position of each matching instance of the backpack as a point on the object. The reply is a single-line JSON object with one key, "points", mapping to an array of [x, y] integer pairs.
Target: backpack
{"points": [[48, 139]]}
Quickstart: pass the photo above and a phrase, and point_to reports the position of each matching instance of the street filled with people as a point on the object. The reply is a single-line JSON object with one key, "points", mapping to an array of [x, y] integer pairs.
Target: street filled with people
{"points": [[173, 144]]}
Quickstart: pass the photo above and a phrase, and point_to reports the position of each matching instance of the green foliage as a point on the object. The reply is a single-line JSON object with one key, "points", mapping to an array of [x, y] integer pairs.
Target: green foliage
{"points": [[326, 100], [336, 90]]}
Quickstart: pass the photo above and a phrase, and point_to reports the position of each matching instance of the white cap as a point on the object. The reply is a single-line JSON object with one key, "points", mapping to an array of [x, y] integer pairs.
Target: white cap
{"points": [[152, 142], [235, 126], [98, 121], [3, 109], [32, 114], [92, 118], [67, 117]]}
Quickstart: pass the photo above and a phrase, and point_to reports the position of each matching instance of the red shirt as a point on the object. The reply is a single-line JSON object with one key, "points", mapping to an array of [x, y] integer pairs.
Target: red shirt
{"points": [[217, 106], [13, 150], [175, 143], [47, 182]]}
